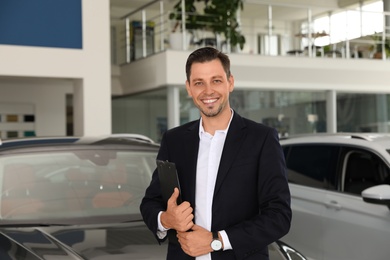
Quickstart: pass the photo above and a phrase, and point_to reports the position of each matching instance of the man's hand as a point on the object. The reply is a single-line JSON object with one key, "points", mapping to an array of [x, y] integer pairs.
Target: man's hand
{"points": [[178, 217], [196, 242]]}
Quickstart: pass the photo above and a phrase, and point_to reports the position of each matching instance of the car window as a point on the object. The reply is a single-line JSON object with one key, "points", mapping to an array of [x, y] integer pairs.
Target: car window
{"points": [[64, 184], [361, 170], [312, 165]]}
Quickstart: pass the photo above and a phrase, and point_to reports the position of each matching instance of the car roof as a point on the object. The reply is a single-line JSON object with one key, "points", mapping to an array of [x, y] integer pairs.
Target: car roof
{"points": [[113, 139], [362, 139]]}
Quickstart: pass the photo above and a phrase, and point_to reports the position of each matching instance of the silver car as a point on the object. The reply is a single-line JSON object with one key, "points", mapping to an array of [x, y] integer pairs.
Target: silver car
{"points": [[79, 198], [340, 195]]}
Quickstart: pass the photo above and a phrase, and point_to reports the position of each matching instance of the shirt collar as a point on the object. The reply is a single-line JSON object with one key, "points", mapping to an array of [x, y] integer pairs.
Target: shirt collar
{"points": [[202, 131]]}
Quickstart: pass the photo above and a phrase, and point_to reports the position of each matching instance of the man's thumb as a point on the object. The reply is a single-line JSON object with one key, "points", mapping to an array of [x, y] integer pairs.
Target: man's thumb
{"points": [[174, 196]]}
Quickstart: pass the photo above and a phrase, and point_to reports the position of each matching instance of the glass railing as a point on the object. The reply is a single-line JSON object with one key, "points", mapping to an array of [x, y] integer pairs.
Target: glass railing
{"points": [[346, 33]]}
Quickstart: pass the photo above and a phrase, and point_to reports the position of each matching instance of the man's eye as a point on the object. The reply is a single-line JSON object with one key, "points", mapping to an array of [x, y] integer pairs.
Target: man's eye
{"points": [[198, 83], [217, 81]]}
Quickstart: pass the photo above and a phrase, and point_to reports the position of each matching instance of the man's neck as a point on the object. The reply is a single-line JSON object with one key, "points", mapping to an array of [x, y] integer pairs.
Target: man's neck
{"points": [[219, 122]]}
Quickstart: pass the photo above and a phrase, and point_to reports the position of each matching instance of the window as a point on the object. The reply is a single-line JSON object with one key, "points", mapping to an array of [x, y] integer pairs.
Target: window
{"points": [[78, 183], [363, 112], [363, 170], [348, 24], [312, 165]]}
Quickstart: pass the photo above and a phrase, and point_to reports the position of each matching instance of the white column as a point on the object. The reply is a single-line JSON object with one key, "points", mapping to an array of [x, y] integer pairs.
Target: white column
{"points": [[331, 111], [382, 116], [269, 30], [92, 93], [386, 8], [173, 98]]}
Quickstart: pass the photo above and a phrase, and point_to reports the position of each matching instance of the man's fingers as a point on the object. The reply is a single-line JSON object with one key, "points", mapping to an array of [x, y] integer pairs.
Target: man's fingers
{"points": [[172, 200], [180, 216], [196, 227]]}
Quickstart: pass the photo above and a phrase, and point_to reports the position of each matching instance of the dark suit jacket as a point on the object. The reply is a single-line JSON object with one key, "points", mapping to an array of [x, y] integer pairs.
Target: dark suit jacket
{"points": [[251, 198]]}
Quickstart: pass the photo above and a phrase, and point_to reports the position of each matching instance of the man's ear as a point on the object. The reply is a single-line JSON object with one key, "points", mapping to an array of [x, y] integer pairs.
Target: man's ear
{"points": [[188, 88], [231, 81]]}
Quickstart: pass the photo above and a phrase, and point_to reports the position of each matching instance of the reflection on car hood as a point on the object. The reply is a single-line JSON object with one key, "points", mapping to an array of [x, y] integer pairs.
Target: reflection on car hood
{"points": [[130, 240], [121, 241]]}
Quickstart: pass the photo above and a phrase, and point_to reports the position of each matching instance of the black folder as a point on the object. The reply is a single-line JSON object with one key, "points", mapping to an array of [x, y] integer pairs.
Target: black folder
{"points": [[167, 174]]}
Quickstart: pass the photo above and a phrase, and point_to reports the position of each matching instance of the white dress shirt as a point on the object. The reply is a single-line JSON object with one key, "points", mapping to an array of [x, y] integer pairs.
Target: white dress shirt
{"points": [[209, 157]]}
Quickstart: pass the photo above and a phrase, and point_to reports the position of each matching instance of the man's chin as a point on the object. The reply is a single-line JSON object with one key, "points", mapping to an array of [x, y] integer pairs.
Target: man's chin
{"points": [[211, 112]]}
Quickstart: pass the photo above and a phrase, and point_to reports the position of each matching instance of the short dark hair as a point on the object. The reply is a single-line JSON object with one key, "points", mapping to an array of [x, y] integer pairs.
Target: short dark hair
{"points": [[205, 54]]}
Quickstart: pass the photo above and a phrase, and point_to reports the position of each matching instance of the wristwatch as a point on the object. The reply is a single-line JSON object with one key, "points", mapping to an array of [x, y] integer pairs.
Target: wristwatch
{"points": [[216, 244]]}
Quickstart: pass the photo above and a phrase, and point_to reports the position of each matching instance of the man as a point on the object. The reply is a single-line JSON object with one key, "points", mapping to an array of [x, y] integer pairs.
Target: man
{"points": [[231, 172]]}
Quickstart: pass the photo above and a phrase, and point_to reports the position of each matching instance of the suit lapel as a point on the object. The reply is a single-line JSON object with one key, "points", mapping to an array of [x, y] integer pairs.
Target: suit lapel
{"points": [[233, 142], [192, 148]]}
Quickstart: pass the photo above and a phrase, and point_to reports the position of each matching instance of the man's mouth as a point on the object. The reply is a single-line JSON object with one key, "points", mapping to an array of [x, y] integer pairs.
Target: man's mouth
{"points": [[209, 101]]}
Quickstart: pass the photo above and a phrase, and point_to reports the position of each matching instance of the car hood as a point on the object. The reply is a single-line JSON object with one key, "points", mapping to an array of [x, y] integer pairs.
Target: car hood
{"points": [[98, 242], [124, 241]]}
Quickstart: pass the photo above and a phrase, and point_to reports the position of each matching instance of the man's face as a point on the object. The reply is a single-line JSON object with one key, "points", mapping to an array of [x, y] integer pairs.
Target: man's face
{"points": [[209, 87]]}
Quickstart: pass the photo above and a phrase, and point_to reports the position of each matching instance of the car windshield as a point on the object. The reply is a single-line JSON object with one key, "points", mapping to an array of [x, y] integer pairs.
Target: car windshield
{"points": [[72, 184]]}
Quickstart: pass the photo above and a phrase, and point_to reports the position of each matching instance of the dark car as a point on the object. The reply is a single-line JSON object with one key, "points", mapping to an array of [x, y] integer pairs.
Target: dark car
{"points": [[78, 198]]}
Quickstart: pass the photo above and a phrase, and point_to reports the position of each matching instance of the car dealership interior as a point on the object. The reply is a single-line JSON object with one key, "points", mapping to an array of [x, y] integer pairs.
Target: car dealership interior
{"points": [[111, 66], [100, 81]]}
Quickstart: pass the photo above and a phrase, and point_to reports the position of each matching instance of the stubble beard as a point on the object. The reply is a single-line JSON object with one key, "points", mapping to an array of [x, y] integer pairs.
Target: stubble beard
{"points": [[211, 112]]}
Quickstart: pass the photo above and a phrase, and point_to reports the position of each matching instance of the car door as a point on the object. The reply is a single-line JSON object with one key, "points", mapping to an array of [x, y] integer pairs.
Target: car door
{"points": [[307, 224], [355, 229], [311, 172]]}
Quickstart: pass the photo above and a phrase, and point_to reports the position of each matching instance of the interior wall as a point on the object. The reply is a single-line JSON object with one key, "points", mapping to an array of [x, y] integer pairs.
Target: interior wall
{"points": [[40, 23], [48, 97], [88, 68]]}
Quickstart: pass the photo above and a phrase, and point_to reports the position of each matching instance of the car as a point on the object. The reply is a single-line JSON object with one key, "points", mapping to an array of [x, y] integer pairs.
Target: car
{"points": [[79, 198], [340, 195]]}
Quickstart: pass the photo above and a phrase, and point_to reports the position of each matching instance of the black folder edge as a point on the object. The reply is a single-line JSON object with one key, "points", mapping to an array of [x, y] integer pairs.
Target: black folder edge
{"points": [[169, 179]]}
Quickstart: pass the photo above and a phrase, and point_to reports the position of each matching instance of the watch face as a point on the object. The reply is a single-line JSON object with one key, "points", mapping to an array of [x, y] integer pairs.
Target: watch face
{"points": [[216, 245]]}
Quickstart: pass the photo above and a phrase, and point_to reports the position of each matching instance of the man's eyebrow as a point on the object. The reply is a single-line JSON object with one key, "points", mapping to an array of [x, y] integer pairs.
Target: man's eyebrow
{"points": [[213, 77], [196, 80]]}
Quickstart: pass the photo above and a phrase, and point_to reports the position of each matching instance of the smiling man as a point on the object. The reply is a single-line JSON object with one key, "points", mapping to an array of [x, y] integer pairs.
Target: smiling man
{"points": [[232, 175], [209, 86]]}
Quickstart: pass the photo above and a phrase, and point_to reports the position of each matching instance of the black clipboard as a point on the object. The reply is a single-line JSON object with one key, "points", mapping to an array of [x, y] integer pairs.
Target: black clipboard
{"points": [[167, 174]]}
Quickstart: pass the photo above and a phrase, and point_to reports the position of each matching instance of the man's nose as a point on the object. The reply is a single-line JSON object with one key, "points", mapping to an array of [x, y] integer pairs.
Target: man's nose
{"points": [[209, 89]]}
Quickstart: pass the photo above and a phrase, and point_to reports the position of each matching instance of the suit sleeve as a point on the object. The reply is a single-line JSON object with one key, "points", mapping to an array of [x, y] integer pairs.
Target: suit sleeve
{"points": [[152, 203]]}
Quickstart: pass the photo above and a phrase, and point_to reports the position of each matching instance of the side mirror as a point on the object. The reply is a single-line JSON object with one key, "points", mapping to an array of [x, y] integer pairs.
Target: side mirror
{"points": [[379, 194]]}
